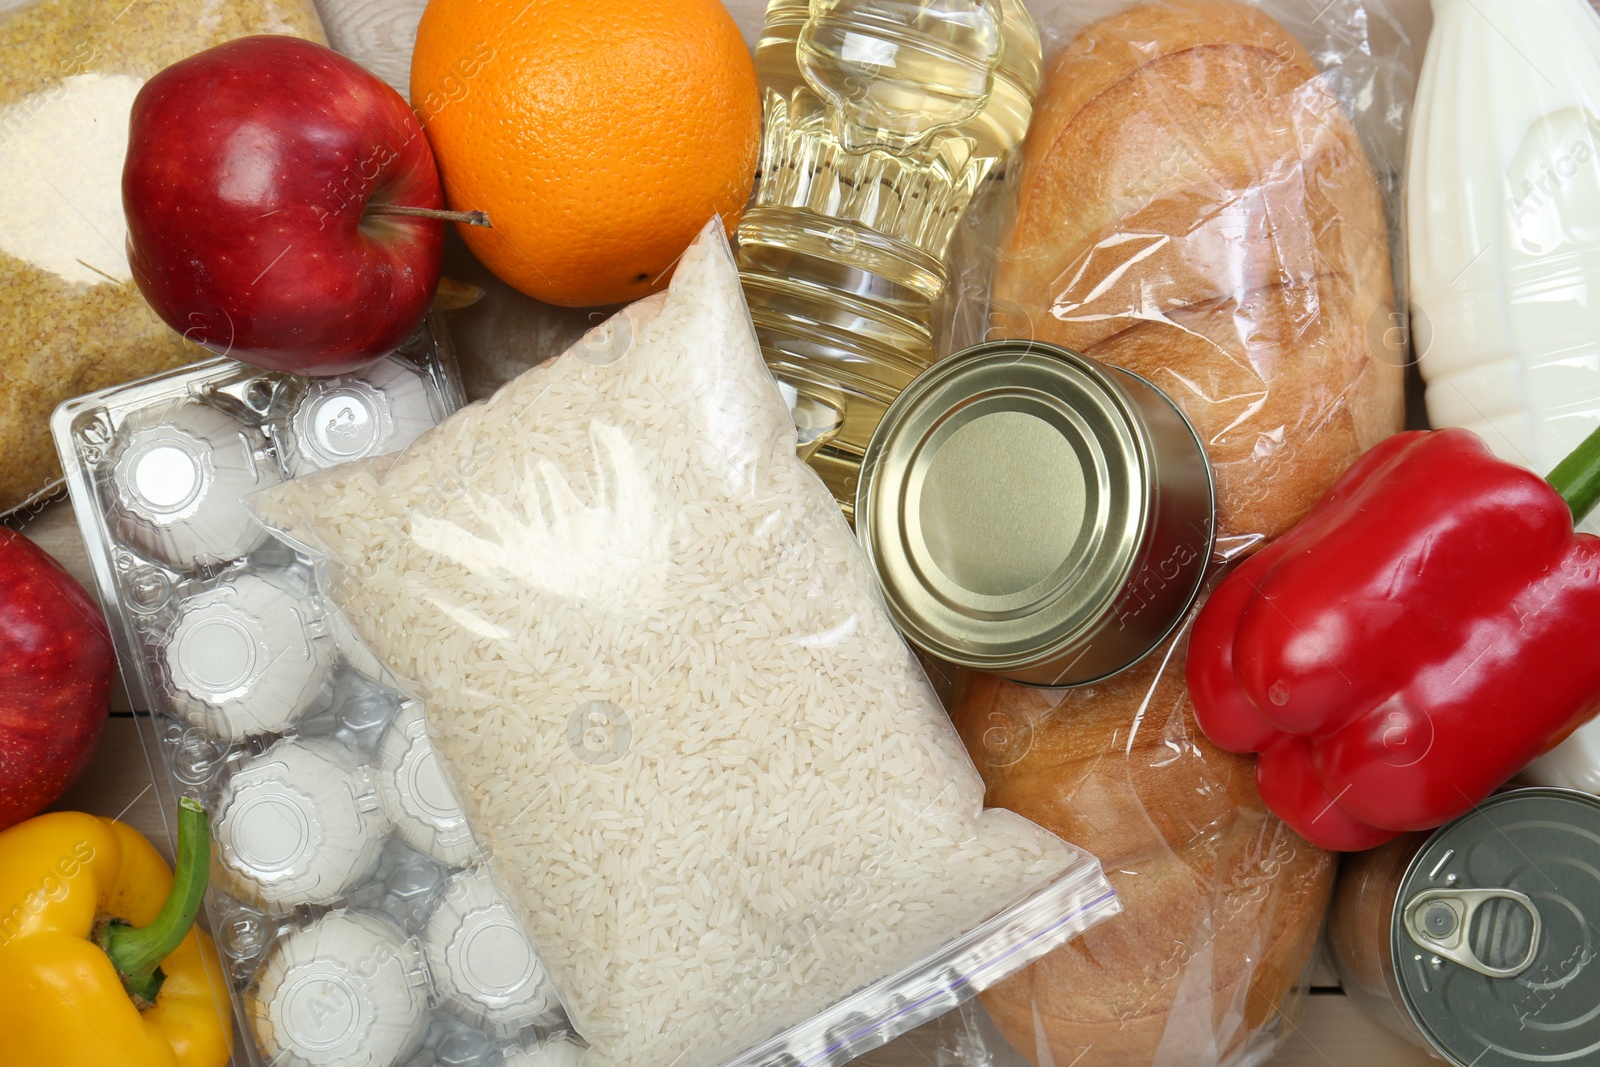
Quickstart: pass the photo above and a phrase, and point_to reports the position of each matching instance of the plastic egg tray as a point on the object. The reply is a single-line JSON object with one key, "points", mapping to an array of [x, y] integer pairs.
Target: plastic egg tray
{"points": [[348, 899]]}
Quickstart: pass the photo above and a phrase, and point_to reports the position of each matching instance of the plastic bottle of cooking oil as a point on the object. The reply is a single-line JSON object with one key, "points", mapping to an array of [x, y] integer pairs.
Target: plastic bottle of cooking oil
{"points": [[882, 119]]}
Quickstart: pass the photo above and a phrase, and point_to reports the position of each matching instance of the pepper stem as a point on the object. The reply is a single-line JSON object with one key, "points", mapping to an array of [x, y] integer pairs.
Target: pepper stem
{"points": [[1577, 478], [137, 952]]}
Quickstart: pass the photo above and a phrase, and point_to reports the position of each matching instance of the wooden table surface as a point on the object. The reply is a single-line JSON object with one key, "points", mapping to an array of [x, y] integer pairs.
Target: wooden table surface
{"points": [[120, 782]]}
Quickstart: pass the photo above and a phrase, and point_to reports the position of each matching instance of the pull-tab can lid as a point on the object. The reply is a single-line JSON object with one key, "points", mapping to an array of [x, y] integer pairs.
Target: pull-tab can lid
{"points": [[1496, 931]]}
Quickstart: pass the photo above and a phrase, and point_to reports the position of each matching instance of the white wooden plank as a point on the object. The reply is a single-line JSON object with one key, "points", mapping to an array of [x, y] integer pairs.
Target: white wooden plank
{"points": [[119, 784]]}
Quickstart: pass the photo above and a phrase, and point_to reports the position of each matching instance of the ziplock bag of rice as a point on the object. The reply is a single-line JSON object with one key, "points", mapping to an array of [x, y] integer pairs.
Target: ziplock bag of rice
{"points": [[704, 765]]}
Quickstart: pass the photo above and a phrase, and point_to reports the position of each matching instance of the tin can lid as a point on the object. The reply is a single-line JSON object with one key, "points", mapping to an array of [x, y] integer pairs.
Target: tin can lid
{"points": [[1493, 936], [298, 824], [347, 991], [1004, 501], [242, 657], [416, 795], [482, 962]]}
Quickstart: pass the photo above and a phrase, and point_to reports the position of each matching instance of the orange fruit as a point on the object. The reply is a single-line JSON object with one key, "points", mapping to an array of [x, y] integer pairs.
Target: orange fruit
{"points": [[599, 135]]}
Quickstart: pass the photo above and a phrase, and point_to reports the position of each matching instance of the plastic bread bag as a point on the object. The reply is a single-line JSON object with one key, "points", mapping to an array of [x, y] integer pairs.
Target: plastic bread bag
{"points": [[1206, 198], [705, 766], [1222, 903], [71, 319]]}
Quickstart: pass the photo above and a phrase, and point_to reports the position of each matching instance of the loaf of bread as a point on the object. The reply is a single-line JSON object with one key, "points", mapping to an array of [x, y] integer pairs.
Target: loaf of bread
{"points": [[1195, 206], [1221, 902]]}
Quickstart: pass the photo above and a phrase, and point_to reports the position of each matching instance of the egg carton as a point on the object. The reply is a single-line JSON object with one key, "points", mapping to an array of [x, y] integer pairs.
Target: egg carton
{"points": [[353, 913]]}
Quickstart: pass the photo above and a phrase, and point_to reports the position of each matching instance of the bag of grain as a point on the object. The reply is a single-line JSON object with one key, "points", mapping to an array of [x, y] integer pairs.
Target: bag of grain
{"points": [[706, 767], [71, 319]]}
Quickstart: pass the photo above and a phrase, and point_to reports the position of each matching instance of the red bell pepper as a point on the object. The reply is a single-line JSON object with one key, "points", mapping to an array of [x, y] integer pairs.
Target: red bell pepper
{"points": [[1431, 627]]}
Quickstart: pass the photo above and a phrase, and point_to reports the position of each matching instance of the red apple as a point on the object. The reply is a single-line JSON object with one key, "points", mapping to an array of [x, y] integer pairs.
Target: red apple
{"points": [[56, 668], [256, 178]]}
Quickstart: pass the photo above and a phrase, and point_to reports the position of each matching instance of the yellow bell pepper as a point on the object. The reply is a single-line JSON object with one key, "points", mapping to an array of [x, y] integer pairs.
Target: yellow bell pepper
{"points": [[100, 963]]}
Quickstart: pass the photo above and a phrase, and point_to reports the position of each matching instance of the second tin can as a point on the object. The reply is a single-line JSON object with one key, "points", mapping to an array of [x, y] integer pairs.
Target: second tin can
{"points": [[1036, 514], [1479, 941]]}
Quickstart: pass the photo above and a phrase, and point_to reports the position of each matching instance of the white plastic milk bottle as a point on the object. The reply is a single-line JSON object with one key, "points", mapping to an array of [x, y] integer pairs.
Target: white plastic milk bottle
{"points": [[1503, 224], [1503, 220]]}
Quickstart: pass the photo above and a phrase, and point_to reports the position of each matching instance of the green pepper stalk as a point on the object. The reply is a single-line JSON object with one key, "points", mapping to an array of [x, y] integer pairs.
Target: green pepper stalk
{"points": [[137, 952], [1577, 478]]}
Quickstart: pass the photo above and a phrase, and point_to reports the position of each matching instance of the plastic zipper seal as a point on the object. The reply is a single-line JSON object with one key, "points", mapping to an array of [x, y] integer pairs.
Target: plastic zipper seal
{"points": [[1019, 934]]}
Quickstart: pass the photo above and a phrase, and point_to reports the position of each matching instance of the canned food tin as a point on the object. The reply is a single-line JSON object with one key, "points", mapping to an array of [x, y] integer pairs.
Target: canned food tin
{"points": [[347, 991], [483, 965], [1036, 514], [1478, 942]]}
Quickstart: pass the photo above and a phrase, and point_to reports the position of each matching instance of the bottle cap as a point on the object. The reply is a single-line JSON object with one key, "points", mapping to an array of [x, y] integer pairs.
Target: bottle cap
{"points": [[369, 413], [180, 478], [484, 967], [298, 824], [242, 657], [347, 991], [416, 795]]}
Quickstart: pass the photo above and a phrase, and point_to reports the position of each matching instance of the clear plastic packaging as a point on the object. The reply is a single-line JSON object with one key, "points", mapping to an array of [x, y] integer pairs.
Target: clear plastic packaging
{"points": [[714, 784], [347, 991], [298, 824], [314, 768], [1206, 198], [182, 475], [1233, 898], [370, 412], [243, 655], [71, 319], [557, 1052], [485, 970], [415, 794]]}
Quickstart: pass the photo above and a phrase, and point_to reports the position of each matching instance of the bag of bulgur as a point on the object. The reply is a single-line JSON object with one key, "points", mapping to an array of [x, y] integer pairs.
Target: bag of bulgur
{"points": [[71, 319]]}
